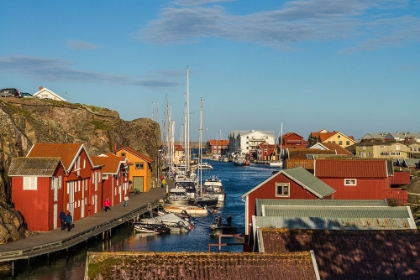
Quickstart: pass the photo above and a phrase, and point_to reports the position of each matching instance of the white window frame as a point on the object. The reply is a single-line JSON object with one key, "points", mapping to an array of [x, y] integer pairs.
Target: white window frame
{"points": [[30, 183], [283, 186], [350, 182]]}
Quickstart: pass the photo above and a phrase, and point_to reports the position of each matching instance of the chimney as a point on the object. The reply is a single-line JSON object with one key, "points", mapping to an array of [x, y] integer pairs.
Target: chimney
{"points": [[40, 87]]}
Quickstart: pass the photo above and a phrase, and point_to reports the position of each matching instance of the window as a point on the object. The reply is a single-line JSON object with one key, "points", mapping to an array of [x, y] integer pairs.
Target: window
{"points": [[123, 154], [347, 143], [340, 143], [338, 136], [139, 165], [30, 183], [282, 190], [350, 182]]}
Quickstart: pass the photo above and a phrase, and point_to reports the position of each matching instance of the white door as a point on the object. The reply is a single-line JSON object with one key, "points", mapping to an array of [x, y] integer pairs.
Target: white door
{"points": [[95, 206], [55, 215], [82, 209], [70, 192]]}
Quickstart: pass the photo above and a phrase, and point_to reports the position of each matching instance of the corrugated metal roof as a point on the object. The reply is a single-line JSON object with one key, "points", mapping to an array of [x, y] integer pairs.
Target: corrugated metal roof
{"points": [[333, 223], [336, 212], [318, 202], [309, 181], [346, 168], [304, 178], [36, 166]]}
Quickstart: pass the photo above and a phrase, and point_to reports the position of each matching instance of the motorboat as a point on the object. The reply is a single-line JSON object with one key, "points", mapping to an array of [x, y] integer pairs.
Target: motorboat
{"points": [[175, 223], [151, 228], [191, 210], [213, 186], [208, 200], [240, 161], [217, 228], [178, 196], [276, 164], [188, 184]]}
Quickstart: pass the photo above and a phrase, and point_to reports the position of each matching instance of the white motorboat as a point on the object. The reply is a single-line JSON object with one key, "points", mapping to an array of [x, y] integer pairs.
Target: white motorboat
{"points": [[276, 164], [188, 184], [178, 196], [190, 210], [172, 221], [213, 186]]}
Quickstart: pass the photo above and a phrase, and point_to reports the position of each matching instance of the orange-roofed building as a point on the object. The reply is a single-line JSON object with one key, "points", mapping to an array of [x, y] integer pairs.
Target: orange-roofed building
{"points": [[217, 147], [139, 170], [115, 183], [324, 136], [82, 184], [179, 153]]}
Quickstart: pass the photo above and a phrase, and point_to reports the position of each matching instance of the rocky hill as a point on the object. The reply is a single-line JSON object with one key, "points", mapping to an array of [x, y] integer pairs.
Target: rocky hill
{"points": [[26, 121]]}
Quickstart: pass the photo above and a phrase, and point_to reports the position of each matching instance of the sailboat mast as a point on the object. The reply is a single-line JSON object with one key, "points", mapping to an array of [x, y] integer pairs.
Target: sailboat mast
{"points": [[187, 158], [200, 155]]}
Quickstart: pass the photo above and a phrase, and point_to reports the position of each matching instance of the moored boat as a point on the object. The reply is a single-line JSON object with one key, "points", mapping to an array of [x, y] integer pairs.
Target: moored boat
{"points": [[151, 228], [190, 210], [213, 185], [178, 196], [175, 223]]}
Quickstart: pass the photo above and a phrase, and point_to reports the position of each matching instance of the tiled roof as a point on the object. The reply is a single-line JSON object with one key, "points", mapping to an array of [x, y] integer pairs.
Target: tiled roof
{"points": [[318, 202], [191, 266], [42, 166], [66, 151], [340, 254], [219, 142], [111, 164], [347, 168], [178, 148], [137, 154], [303, 153], [335, 147]]}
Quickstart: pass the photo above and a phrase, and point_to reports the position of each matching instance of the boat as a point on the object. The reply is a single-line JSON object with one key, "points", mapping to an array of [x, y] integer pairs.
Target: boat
{"points": [[175, 223], [218, 228], [178, 196], [213, 185], [188, 184], [276, 164], [191, 210], [151, 228], [240, 160], [208, 200]]}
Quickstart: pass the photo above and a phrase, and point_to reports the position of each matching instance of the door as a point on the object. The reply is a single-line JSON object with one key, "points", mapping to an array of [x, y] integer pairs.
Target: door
{"points": [[70, 192], [55, 215], [96, 206], [138, 183]]}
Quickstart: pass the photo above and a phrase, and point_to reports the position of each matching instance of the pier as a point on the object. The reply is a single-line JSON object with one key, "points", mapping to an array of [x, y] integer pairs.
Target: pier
{"points": [[99, 225]]}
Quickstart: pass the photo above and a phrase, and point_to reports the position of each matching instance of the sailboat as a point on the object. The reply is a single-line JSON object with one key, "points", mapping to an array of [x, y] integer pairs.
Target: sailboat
{"points": [[203, 199], [279, 162]]}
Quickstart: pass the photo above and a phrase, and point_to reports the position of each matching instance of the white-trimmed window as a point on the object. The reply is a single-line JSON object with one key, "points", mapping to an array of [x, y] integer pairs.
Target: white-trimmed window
{"points": [[282, 189], [350, 182], [30, 183], [139, 165]]}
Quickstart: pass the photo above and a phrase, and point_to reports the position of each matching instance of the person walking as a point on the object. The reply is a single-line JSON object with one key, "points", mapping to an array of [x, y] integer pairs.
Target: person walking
{"points": [[229, 220], [107, 204], [62, 218], [69, 220], [126, 201]]}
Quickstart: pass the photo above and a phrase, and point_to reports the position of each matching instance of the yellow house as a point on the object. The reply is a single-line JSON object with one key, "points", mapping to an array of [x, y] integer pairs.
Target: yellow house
{"points": [[324, 136], [179, 153], [140, 171], [382, 150]]}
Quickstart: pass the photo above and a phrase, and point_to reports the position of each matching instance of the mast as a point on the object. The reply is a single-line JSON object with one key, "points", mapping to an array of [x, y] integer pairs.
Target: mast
{"points": [[187, 125], [200, 155], [281, 142]]}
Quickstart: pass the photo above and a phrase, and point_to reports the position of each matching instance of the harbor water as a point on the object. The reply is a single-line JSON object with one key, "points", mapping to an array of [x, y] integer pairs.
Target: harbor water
{"points": [[237, 180]]}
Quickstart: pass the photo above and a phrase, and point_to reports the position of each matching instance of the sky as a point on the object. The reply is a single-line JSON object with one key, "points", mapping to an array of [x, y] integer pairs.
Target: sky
{"points": [[303, 65]]}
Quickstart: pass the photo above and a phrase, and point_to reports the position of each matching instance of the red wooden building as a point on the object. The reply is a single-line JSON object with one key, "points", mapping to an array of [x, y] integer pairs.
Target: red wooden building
{"points": [[82, 184], [37, 190], [217, 147], [292, 141], [115, 183], [359, 179], [294, 183]]}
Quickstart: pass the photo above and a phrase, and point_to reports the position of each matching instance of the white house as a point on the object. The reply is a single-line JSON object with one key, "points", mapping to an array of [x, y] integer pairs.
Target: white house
{"points": [[45, 93], [247, 141]]}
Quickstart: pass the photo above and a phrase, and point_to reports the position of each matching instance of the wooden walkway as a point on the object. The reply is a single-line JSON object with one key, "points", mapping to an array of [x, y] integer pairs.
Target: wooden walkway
{"points": [[86, 228]]}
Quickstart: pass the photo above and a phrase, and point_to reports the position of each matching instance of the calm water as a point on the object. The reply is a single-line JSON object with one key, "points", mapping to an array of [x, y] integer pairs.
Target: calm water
{"points": [[236, 180]]}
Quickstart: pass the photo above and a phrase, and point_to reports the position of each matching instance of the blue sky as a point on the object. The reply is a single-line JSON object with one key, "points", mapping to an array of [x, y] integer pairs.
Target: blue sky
{"points": [[349, 66]]}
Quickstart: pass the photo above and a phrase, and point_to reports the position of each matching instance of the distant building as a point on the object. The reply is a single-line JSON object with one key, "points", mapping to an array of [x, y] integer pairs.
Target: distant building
{"points": [[393, 150], [217, 147], [44, 93], [324, 136], [247, 141]]}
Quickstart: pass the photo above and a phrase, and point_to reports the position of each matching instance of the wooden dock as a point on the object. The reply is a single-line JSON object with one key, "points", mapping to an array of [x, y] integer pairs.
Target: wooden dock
{"points": [[99, 224]]}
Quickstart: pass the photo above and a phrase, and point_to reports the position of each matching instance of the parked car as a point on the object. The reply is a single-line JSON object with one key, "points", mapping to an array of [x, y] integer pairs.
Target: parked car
{"points": [[6, 92], [26, 95]]}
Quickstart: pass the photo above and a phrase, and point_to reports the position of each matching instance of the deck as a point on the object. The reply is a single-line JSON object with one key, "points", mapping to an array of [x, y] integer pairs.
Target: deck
{"points": [[86, 228]]}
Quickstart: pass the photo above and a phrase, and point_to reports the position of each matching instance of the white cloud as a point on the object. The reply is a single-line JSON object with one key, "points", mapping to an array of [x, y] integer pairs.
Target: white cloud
{"points": [[56, 70]]}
